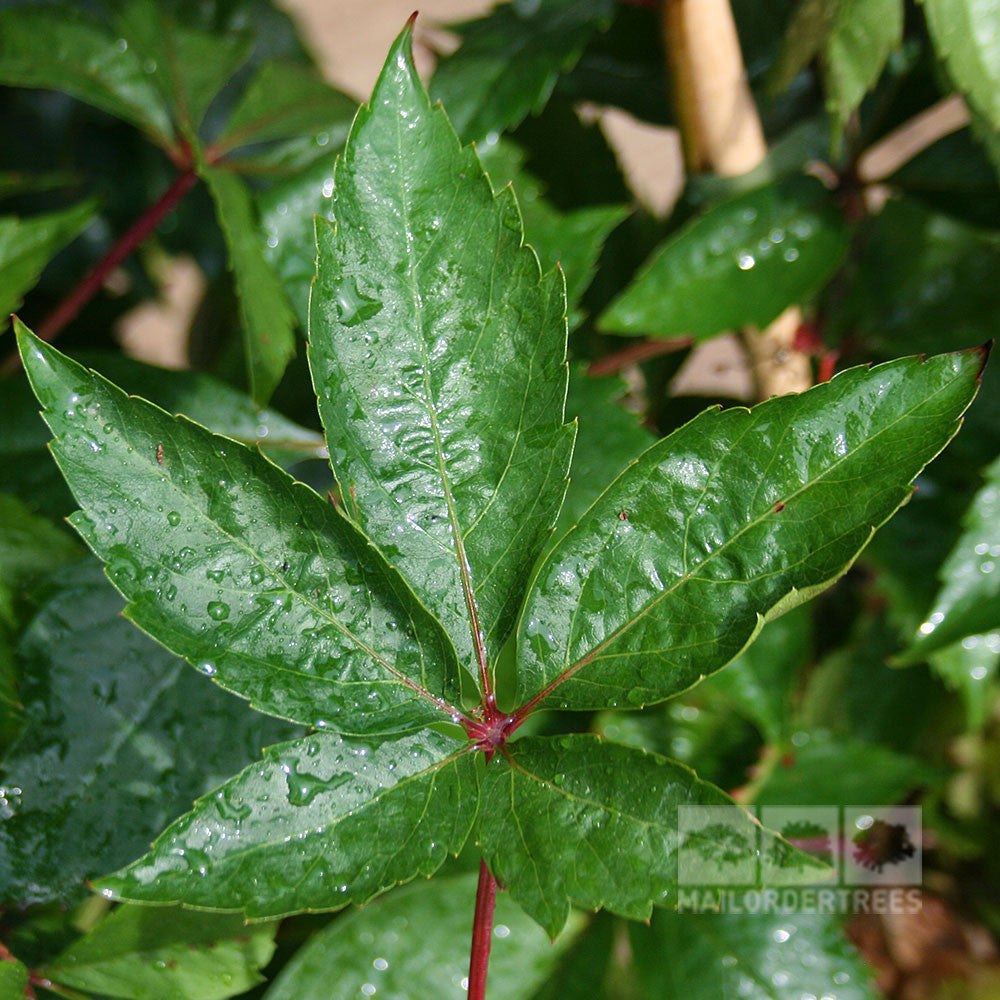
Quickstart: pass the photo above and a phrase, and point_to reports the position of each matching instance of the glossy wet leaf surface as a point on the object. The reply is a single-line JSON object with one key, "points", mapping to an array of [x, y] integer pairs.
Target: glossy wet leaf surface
{"points": [[252, 577], [759, 956], [438, 350], [736, 515], [373, 948], [968, 602], [28, 244], [574, 819], [120, 737], [317, 824], [509, 62], [740, 264], [146, 953]]}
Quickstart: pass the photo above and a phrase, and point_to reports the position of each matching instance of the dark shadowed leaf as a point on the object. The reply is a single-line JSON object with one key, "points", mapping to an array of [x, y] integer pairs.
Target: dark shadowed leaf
{"points": [[120, 737], [318, 823], [737, 516], [227, 561], [141, 953], [509, 61], [740, 264], [375, 948], [438, 354]]}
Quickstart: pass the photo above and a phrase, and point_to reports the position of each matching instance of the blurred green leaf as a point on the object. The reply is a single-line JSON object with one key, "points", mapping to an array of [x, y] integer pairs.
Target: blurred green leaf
{"points": [[825, 771], [509, 61], [13, 980], [970, 667], [740, 264], [28, 244], [30, 545], [267, 319], [852, 38], [756, 956], [282, 101], [120, 736], [414, 944], [966, 36], [65, 47], [141, 953]]}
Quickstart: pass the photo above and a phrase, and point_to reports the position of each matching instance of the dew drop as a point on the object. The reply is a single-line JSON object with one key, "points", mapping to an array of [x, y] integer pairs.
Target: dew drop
{"points": [[173, 518], [218, 610]]}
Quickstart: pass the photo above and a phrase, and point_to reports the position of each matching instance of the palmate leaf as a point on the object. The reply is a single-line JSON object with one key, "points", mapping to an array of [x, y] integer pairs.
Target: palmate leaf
{"points": [[734, 517], [437, 350], [231, 564], [318, 823], [577, 819]]}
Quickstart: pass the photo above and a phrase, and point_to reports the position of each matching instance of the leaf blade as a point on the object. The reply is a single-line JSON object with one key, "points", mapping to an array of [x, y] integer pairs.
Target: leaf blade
{"points": [[709, 560], [299, 618], [318, 823], [441, 373]]}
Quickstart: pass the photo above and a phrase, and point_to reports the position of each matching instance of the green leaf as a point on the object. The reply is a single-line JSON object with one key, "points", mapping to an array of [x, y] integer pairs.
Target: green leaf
{"points": [[509, 61], [29, 545], [576, 819], [608, 438], [966, 36], [740, 264], [188, 66], [120, 736], [438, 354], [853, 39], [13, 980], [970, 667], [266, 317], [318, 823], [757, 956], [27, 245], [166, 954], [735, 517], [414, 944], [283, 101], [968, 601], [759, 683], [62, 47], [230, 563], [827, 771]]}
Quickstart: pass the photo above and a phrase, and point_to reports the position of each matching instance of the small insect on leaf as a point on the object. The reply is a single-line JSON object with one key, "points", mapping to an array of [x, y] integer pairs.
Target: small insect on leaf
{"points": [[159, 454], [623, 515]]}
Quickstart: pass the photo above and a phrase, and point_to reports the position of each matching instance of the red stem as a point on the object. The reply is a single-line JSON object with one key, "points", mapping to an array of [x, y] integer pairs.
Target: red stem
{"points": [[67, 310], [482, 933], [644, 350]]}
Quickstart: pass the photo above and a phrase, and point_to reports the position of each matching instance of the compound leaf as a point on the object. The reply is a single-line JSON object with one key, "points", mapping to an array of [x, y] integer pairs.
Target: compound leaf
{"points": [[740, 264], [230, 563], [736, 516], [318, 823], [438, 354], [140, 953], [577, 819]]}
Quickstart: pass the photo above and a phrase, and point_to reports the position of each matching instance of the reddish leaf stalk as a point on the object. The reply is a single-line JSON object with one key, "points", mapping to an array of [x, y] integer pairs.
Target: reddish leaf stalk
{"points": [[482, 932], [68, 309]]}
